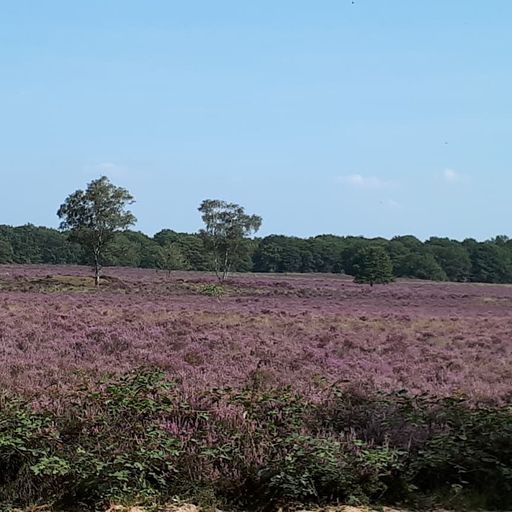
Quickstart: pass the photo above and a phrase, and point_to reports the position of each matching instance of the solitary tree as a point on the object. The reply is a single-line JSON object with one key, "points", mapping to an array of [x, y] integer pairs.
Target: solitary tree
{"points": [[373, 265], [171, 258], [226, 227], [93, 217]]}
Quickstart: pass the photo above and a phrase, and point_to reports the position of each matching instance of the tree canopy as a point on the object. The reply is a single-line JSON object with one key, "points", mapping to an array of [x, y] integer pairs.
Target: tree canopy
{"points": [[226, 225], [95, 230], [93, 217], [437, 259], [373, 266]]}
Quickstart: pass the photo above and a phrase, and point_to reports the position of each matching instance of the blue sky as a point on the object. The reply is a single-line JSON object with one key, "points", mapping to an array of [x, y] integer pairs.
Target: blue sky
{"points": [[372, 117]]}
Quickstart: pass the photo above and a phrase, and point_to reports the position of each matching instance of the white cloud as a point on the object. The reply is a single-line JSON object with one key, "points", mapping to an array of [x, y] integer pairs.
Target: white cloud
{"points": [[391, 203], [359, 181], [451, 176]]}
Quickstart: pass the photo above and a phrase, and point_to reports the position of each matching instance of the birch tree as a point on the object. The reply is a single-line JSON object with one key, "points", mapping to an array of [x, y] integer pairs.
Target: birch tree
{"points": [[226, 227], [94, 216]]}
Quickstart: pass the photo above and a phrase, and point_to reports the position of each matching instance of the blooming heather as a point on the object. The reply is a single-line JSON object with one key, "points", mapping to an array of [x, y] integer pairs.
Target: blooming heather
{"points": [[304, 331]]}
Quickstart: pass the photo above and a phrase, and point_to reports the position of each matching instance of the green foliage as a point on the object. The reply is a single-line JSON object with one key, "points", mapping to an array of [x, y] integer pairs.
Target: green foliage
{"points": [[213, 290], [423, 265], [171, 258], [6, 252], [132, 249], [471, 451], [451, 256], [438, 259], [191, 246], [32, 244], [51, 466], [135, 438], [301, 465], [26, 440], [124, 251], [269, 256], [373, 266], [93, 216], [283, 254], [449, 449], [491, 263], [310, 469], [226, 227], [108, 444], [327, 253], [129, 416]]}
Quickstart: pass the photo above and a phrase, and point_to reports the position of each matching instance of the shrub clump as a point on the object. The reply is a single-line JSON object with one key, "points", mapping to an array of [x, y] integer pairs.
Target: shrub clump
{"points": [[137, 438], [213, 290]]}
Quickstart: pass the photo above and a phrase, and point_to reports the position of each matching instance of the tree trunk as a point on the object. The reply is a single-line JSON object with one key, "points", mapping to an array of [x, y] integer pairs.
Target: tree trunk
{"points": [[217, 266], [97, 269], [226, 267]]}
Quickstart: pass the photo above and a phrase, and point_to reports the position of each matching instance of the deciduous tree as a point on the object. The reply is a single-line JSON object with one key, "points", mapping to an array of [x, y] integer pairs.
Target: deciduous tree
{"points": [[226, 227], [94, 216]]}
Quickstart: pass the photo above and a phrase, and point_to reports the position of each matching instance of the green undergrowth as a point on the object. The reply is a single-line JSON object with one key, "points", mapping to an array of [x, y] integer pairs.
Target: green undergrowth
{"points": [[136, 439]]}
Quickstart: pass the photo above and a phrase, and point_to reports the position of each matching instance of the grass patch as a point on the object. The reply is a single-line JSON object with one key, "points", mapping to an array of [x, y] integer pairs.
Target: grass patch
{"points": [[61, 284]]}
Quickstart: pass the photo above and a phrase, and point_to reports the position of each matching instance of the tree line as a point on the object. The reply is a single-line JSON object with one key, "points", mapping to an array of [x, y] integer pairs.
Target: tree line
{"points": [[438, 259], [225, 245]]}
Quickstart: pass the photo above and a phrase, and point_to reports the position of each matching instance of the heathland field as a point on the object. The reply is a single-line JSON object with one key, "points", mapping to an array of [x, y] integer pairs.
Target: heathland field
{"points": [[306, 332], [279, 388]]}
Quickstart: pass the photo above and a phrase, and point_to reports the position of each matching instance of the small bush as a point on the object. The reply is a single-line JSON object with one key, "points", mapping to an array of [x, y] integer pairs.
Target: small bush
{"points": [[213, 290], [107, 444]]}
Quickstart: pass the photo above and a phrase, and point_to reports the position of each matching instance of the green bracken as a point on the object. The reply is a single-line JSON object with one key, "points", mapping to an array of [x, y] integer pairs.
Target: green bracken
{"points": [[138, 439]]}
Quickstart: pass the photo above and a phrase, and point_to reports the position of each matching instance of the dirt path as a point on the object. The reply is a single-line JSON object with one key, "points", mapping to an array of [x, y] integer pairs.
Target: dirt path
{"points": [[193, 508]]}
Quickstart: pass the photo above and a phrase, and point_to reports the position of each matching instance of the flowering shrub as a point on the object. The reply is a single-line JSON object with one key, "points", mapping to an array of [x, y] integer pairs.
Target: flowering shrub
{"points": [[136, 438], [304, 332], [288, 390]]}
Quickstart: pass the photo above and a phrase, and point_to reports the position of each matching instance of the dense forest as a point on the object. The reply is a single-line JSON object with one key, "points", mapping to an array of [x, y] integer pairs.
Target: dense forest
{"points": [[439, 259]]}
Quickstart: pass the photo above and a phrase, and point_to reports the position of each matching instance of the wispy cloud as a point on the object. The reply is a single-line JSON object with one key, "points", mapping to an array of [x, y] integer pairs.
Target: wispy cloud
{"points": [[391, 203], [360, 181], [452, 177]]}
